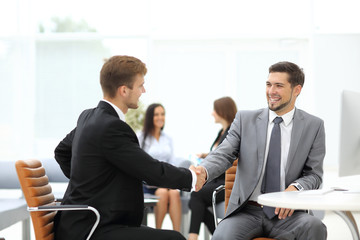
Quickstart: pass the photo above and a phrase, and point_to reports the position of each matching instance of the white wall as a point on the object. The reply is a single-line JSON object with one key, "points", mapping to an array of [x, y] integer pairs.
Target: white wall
{"points": [[188, 75], [336, 59], [196, 51]]}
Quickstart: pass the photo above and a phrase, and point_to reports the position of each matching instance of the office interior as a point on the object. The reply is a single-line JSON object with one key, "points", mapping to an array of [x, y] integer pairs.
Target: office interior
{"points": [[51, 53]]}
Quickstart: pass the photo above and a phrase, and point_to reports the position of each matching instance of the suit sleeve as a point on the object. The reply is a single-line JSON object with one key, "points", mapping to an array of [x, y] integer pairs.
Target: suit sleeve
{"points": [[311, 177], [121, 148], [63, 153], [222, 158]]}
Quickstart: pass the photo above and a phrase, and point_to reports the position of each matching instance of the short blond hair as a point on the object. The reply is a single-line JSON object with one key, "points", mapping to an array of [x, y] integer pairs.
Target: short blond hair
{"points": [[120, 71]]}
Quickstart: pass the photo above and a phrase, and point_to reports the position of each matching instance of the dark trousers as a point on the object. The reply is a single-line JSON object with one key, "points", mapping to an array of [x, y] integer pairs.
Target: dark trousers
{"points": [[115, 232], [199, 203]]}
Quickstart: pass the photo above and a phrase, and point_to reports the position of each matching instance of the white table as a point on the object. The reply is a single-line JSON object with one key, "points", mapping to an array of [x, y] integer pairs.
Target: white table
{"points": [[341, 202]]}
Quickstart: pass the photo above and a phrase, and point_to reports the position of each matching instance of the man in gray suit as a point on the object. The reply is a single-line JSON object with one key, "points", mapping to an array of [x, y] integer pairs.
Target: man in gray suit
{"points": [[301, 150]]}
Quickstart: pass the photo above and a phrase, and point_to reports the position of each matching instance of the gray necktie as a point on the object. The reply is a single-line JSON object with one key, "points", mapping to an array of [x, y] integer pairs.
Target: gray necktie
{"points": [[271, 182]]}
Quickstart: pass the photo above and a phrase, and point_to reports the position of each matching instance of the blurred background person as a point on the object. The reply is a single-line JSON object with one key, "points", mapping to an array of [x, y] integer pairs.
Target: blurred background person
{"points": [[224, 113], [160, 146]]}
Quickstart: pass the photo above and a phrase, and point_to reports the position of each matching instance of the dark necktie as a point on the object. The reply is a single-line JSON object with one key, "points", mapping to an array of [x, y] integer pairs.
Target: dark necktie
{"points": [[271, 182]]}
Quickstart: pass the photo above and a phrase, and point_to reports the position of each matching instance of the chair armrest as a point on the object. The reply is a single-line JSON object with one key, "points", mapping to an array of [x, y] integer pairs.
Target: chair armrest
{"points": [[70, 208], [216, 191]]}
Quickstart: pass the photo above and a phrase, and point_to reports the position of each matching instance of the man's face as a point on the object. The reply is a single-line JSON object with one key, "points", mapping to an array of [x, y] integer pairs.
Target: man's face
{"points": [[132, 100], [280, 95]]}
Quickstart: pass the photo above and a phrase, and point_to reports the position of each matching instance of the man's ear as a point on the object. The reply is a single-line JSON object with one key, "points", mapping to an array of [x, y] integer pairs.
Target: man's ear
{"points": [[122, 90], [297, 90]]}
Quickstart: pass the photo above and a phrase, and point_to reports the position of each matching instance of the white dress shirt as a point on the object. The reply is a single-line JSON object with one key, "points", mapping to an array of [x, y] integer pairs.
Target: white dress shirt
{"points": [[118, 111], [161, 149], [286, 129]]}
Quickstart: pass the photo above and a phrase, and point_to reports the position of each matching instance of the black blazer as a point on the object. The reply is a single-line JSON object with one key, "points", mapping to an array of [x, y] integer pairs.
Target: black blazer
{"points": [[220, 137], [106, 167]]}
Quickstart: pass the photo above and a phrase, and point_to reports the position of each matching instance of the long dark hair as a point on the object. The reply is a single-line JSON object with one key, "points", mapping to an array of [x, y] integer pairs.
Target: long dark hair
{"points": [[149, 121]]}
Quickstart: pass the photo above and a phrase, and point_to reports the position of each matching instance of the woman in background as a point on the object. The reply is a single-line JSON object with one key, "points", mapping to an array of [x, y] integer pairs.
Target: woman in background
{"points": [[224, 113], [159, 145]]}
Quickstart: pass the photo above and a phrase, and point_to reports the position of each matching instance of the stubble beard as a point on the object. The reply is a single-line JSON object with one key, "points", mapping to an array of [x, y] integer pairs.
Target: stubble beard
{"points": [[280, 107]]}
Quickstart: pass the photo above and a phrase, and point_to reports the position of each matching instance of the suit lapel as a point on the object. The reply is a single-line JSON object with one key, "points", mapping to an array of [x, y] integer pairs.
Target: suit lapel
{"points": [[261, 131], [298, 127]]}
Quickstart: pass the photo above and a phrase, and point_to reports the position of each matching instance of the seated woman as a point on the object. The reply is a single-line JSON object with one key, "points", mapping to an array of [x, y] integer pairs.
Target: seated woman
{"points": [[159, 145], [224, 113]]}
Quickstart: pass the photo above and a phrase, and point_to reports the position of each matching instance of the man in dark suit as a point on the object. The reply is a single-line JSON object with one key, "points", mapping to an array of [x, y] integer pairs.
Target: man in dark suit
{"points": [[284, 155], [106, 166]]}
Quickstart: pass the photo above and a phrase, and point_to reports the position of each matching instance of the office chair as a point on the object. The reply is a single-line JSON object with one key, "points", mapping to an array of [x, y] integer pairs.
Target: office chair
{"points": [[40, 199], [229, 183]]}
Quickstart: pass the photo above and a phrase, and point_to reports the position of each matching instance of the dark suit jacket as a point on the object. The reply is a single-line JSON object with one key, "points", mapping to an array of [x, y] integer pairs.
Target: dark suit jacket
{"points": [[106, 167]]}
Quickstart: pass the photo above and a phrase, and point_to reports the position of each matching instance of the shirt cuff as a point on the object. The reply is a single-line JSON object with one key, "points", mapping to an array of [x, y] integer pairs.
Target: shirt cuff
{"points": [[207, 174], [194, 180]]}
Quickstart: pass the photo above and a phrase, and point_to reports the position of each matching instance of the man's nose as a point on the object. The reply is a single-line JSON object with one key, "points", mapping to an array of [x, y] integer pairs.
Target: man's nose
{"points": [[271, 90]]}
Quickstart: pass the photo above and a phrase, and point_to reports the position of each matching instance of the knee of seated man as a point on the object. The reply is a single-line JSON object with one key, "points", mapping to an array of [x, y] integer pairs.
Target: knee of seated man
{"points": [[217, 236], [221, 232], [316, 224], [313, 226]]}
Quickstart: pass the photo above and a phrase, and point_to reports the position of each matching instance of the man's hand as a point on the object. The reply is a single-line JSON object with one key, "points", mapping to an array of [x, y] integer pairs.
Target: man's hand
{"points": [[201, 176], [285, 212]]}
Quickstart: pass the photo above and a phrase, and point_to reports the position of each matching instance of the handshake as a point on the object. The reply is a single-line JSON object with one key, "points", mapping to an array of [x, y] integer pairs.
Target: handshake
{"points": [[201, 176]]}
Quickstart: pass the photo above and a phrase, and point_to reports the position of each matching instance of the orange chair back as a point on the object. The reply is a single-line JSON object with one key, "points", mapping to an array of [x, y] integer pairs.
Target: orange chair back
{"points": [[229, 182], [37, 192]]}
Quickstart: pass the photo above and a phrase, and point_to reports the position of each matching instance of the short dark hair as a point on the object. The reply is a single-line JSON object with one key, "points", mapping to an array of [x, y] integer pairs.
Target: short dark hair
{"points": [[225, 107], [149, 121], [119, 71], [296, 74]]}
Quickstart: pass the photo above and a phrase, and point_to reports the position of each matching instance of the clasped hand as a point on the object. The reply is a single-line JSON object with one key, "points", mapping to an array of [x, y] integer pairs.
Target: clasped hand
{"points": [[285, 212], [201, 176]]}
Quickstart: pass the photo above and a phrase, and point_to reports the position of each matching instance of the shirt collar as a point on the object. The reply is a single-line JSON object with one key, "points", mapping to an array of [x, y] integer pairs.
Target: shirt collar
{"points": [[287, 117], [118, 111]]}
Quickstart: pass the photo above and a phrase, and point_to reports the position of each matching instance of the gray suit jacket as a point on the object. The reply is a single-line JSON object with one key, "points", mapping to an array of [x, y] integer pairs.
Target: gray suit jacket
{"points": [[246, 140]]}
